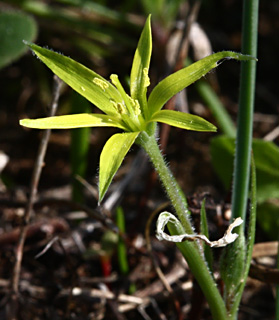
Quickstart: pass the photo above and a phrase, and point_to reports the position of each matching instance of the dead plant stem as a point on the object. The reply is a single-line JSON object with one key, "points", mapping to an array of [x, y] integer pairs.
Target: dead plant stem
{"points": [[13, 305]]}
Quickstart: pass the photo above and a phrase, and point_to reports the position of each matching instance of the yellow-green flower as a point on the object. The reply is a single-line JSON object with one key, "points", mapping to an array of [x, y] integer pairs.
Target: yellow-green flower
{"points": [[133, 113]]}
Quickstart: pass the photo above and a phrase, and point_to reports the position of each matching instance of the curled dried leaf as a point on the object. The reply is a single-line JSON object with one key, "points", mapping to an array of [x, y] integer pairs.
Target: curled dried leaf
{"points": [[166, 217]]}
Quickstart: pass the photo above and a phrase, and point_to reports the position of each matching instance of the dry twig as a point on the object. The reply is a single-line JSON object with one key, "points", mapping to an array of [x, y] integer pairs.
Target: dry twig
{"points": [[13, 305]]}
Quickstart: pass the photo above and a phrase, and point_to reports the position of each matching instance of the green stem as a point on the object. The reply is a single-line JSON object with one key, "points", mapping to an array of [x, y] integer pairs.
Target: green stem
{"points": [[151, 147], [190, 250], [235, 277], [246, 109]]}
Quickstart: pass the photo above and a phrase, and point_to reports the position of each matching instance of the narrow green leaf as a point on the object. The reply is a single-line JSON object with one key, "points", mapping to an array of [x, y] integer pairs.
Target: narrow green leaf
{"points": [[232, 266], [121, 245], [183, 120], [72, 121], [253, 215], [139, 73], [86, 82], [111, 158], [181, 79], [204, 230], [250, 236]]}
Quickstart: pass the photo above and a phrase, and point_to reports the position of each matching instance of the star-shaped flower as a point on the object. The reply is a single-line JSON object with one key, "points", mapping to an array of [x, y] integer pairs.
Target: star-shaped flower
{"points": [[134, 113]]}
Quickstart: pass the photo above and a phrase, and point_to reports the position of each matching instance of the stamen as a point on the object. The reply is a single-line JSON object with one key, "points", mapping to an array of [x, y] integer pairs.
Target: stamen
{"points": [[146, 78], [137, 108], [135, 104], [119, 107], [101, 83], [127, 103], [114, 79], [131, 100]]}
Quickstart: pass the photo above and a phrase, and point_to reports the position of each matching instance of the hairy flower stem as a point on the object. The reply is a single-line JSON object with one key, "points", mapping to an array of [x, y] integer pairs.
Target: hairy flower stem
{"points": [[190, 250]]}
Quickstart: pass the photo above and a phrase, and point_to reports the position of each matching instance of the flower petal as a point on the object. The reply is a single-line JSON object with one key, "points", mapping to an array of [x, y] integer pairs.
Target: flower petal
{"points": [[181, 79], [111, 158], [72, 121], [183, 120], [83, 80], [139, 73]]}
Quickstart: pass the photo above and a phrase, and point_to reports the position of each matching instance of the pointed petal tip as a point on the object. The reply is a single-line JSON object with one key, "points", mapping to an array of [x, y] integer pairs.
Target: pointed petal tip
{"points": [[214, 129], [23, 122]]}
